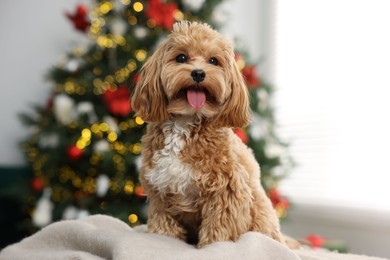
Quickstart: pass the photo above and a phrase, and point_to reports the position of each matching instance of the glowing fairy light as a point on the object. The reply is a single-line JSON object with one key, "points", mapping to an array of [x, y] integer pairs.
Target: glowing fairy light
{"points": [[138, 7], [140, 55], [139, 121], [133, 218], [105, 7]]}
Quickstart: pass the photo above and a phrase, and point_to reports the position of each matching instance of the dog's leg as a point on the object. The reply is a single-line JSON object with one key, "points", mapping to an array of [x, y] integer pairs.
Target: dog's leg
{"points": [[161, 222], [264, 217], [225, 217]]}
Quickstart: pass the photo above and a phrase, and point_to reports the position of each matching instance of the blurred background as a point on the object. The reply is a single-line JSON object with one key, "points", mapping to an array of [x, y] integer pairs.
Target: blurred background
{"points": [[318, 78]]}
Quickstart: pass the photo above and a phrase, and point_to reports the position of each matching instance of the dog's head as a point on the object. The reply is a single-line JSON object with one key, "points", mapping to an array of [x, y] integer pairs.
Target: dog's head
{"points": [[192, 73]]}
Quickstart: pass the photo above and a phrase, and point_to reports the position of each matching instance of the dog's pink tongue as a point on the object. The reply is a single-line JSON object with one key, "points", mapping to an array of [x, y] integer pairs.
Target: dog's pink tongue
{"points": [[196, 98]]}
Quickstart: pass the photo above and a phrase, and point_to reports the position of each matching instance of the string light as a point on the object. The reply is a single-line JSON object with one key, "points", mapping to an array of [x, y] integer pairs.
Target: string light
{"points": [[133, 218], [103, 127], [85, 139], [81, 144], [105, 7], [138, 7], [69, 87], [115, 187], [139, 121], [178, 15], [86, 133], [131, 65], [135, 148], [140, 55], [112, 136], [132, 123], [80, 91], [95, 128], [97, 71], [132, 20], [119, 39], [123, 126], [109, 80], [97, 56], [129, 187], [120, 147], [105, 41], [76, 181]]}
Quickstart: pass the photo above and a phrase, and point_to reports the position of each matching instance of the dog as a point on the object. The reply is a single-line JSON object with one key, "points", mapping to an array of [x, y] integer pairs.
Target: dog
{"points": [[201, 180]]}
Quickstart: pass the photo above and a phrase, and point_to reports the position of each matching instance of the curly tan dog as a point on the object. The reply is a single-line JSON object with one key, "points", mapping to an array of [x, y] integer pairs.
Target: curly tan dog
{"points": [[202, 182]]}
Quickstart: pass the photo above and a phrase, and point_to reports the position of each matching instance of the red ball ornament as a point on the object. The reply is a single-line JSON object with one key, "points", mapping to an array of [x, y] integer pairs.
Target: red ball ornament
{"points": [[37, 184], [316, 240], [241, 133], [139, 192], [74, 153], [118, 101], [277, 199], [161, 13], [79, 18], [250, 75]]}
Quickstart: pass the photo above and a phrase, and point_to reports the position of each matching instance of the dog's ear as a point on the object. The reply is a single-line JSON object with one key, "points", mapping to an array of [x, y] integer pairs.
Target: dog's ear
{"points": [[148, 100], [235, 112]]}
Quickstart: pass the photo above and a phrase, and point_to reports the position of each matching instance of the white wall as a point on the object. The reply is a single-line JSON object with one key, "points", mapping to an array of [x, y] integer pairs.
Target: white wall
{"points": [[34, 35]]}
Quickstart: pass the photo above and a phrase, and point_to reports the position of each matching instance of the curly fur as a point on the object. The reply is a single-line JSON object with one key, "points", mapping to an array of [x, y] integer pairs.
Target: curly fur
{"points": [[202, 182]]}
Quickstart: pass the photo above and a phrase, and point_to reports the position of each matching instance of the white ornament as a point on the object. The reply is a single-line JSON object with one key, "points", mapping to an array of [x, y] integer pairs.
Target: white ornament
{"points": [[42, 214], [193, 5], [102, 185], [118, 26], [140, 32], [64, 109], [70, 213], [83, 213], [87, 107], [101, 146], [49, 140], [72, 64], [111, 122]]}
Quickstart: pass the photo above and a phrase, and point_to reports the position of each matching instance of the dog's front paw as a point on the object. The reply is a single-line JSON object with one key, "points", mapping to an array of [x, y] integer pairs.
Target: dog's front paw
{"points": [[203, 243], [168, 230]]}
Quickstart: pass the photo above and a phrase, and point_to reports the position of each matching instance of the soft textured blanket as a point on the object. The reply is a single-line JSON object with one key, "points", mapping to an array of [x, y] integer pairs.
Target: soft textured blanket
{"points": [[104, 237]]}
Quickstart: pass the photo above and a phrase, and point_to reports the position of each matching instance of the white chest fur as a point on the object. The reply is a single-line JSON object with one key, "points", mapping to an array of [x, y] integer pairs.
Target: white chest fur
{"points": [[170, 174]]}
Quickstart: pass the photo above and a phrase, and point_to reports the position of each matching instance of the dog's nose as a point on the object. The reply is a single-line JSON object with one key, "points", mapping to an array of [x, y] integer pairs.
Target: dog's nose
{"points": [[198, 75]]}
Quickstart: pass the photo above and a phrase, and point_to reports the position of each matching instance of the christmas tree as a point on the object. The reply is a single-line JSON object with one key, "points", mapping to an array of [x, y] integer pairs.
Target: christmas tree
{"points": [[85, 142]]}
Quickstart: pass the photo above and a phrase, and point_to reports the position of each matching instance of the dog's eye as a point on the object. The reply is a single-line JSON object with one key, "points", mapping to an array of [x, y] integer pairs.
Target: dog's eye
{"points": [[213, 61], [181, 58]]}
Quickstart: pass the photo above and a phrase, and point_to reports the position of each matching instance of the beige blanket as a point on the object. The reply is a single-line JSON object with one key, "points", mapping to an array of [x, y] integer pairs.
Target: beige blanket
{"points": [[103, 237]]}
